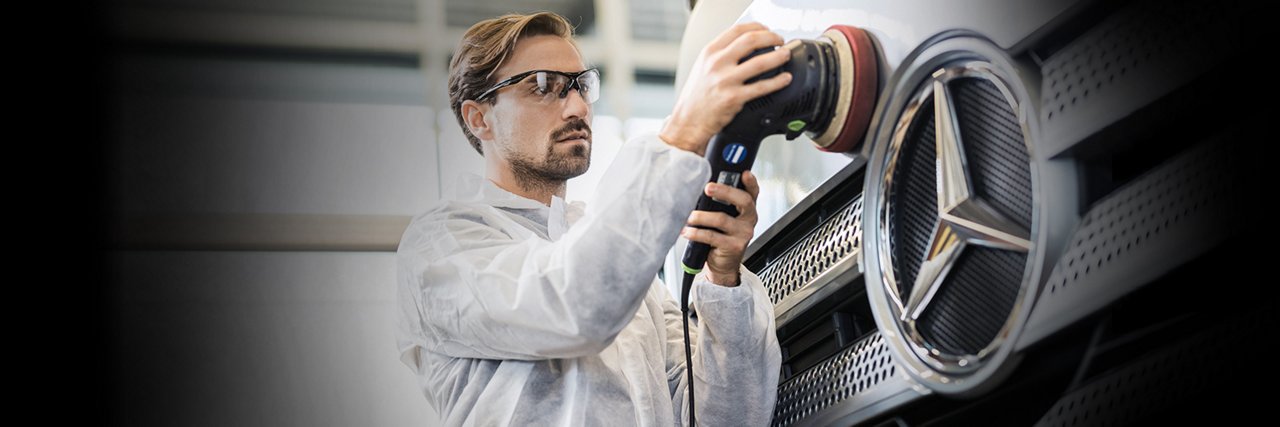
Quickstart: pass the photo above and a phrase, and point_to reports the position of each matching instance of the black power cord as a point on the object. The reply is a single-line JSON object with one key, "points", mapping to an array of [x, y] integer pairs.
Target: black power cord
{"points": [[688, 346]]}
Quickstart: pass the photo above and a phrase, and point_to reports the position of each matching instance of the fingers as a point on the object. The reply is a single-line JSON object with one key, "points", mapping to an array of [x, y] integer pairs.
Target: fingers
{"points": [[728, 236], [716, 89], [721, 221], [749, 42], [735, 244], [743, 200], [766, 86], [728, 36], [753, 186], [759, 64]]}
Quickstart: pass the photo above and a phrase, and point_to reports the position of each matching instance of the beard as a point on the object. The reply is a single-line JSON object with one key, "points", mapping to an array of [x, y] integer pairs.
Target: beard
{"points": [[555, 167]]}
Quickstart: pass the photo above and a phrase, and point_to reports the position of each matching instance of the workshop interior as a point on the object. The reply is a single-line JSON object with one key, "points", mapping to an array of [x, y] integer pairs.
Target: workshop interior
{"points": [[994, 212]]}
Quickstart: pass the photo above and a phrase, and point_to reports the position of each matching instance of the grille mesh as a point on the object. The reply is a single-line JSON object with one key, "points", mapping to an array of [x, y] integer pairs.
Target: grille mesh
{"points": [[972, 306], [913, 200], [836, 239], [855, 370], [997, 157]]}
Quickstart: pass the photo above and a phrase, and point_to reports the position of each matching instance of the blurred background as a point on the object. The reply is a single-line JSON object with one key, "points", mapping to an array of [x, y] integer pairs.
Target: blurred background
{"points": [[263, 159]]}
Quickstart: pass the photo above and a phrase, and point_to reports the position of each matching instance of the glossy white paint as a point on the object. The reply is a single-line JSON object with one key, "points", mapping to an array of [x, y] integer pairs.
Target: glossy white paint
{"points": [[790, 170], [900, 26]]}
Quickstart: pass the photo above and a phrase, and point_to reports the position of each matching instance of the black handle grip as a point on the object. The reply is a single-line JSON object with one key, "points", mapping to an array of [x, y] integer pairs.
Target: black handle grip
{"points": [[729, 156]]}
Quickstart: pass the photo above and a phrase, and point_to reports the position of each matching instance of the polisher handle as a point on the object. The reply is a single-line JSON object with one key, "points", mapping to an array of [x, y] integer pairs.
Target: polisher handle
{"points": [[729, 155]]}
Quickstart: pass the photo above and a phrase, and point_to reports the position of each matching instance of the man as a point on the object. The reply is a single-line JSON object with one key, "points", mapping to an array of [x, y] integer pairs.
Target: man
{"points": [[520, 309]]}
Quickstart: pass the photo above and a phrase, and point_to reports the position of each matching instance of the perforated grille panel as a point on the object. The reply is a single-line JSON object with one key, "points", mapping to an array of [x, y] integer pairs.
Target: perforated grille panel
{"points": [[854, 371], [1136, 43], [836, 239], [1156, 203]]}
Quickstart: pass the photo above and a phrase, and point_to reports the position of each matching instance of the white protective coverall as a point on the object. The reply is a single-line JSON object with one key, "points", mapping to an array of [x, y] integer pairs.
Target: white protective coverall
{"points": [[509, 316]]}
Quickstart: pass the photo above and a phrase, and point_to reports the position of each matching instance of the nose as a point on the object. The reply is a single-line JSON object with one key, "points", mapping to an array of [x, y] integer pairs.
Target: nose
{"points": [[575, 106]]}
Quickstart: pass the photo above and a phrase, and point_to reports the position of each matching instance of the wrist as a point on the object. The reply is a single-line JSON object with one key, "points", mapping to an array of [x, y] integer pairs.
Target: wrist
{"points": [[728, 280], [681, 137]]}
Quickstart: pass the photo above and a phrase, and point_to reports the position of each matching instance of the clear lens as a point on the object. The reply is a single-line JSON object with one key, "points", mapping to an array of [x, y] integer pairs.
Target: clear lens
{"points": [[552, 87], [541, 78], [589, 86], [549, 84]]}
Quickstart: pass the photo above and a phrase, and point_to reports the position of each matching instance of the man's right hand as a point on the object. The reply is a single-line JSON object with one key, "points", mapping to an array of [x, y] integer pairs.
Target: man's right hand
{"points": [[716, 91]]}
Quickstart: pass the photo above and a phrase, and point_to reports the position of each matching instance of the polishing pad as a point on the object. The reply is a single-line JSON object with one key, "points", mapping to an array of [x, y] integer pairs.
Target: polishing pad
{"points": [[859, 81]]}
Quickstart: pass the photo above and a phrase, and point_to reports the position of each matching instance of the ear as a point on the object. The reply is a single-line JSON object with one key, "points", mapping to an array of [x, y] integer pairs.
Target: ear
{"points": [[473, 114]]}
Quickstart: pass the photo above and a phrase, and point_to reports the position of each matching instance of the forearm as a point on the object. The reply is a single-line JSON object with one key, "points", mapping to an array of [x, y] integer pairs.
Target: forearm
{"points": [[737, 356], [629, 226]]}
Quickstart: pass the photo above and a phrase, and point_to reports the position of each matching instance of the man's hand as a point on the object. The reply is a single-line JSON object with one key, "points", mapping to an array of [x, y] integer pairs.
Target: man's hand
{"points": [[727, 248], [715, 90]]}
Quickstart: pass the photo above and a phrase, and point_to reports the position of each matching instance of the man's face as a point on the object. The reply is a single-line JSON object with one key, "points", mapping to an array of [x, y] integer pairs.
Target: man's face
{"points": [[541, 140]]}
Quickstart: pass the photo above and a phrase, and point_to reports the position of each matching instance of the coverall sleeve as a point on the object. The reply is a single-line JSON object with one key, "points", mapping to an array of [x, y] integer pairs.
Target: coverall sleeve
{"points": [[469, 290], [736, 356]]}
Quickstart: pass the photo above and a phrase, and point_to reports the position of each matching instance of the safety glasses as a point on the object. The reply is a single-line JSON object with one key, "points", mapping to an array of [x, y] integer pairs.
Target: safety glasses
{"points": [[545, 86]]}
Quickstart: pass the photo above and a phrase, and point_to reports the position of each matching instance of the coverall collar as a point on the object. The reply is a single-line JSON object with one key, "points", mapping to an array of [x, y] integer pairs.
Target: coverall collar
{"points": [[476, 188]]}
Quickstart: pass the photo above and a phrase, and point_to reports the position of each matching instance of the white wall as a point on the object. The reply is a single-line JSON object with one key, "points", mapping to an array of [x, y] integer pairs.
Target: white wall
{"points": [[238, 155], [276, 338], [260, 339]]}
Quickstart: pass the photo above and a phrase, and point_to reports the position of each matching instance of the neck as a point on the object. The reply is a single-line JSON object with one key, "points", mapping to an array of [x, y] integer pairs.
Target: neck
{"points": [[529, 187]]}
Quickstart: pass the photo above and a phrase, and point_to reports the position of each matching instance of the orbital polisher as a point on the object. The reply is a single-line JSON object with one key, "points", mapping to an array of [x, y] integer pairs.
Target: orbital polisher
{"points": [[830, 99]]}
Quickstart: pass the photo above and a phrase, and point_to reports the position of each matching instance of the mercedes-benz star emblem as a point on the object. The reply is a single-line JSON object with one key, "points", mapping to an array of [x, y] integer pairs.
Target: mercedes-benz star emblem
{"points": [[963, 218], [950, 209]]}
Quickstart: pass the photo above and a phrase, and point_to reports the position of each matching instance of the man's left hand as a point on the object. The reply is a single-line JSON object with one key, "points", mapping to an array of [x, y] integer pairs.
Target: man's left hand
{"points": [[727, 247]]}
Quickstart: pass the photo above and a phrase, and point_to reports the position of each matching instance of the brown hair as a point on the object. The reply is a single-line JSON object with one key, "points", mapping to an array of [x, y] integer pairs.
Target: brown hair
{"points": [[482, 50]]}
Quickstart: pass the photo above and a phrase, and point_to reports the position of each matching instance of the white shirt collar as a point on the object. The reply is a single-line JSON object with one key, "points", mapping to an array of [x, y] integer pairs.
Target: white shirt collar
{"points": [[473, 187]]}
